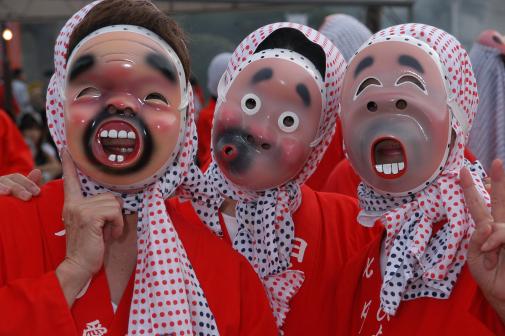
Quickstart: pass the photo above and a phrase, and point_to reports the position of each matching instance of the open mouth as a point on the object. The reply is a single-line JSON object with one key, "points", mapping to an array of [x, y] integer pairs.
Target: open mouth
{"points": [[388, 158], [117, 143]]}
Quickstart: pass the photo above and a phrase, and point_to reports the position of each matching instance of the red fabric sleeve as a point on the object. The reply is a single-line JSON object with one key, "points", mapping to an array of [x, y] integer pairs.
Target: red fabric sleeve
{"points": [[35, 306], [256, 316], [334, 154], [15, 156]]}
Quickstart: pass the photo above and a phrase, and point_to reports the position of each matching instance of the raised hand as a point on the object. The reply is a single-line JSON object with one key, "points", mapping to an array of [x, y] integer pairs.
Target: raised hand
{"points": [[89, 222], [19, 186], [486, 253]]}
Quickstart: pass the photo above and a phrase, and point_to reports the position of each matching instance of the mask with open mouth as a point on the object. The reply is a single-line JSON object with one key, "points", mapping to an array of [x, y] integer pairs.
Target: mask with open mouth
{"points": [[396, 121], [408, 121], [123, 88], [118, 142]]}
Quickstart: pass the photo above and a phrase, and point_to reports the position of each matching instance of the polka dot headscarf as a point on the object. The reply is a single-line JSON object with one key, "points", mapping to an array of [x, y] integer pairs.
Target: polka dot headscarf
{"points": [[266, 228], [421, 263], [167, 297]]}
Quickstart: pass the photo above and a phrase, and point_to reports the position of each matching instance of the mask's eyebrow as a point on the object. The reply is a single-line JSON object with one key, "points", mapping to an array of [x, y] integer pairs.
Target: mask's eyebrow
{"points": [[262, 75], [81, 65], [365, 63], [411, 62], [163, 65], [303, 92]]}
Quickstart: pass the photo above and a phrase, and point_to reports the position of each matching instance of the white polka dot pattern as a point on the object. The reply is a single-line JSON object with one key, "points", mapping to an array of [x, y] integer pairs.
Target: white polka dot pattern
{"points": [[167, 297], [266, 228], [420, 263]]}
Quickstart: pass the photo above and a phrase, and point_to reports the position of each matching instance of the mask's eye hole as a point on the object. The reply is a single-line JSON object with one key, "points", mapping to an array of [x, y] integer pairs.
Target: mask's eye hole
{"points": [[89, 92], [411, 79], [366, 83], [250, 104], [288, 121], [156, 97]]}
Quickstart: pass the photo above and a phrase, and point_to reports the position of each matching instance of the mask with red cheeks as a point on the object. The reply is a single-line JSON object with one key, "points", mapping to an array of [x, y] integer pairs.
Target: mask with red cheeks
{"points": [[267, 121], [123, 107], [395, 118]]}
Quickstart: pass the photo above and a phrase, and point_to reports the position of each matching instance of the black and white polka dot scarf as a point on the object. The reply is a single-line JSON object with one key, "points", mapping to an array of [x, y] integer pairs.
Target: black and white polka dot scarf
{"points": [[419, 261], [266, 228]]}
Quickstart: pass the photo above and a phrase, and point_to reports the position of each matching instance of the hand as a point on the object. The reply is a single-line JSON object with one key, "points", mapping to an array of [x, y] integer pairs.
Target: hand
{"points": [[89, 222], [19, 186], [486, 253]]}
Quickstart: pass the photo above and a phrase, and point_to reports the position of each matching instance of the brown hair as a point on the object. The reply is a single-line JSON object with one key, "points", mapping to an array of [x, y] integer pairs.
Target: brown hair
{"points": [[140, 13]]}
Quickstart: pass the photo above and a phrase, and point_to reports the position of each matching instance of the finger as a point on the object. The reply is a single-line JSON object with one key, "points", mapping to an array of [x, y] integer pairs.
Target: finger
{"points": [[17, 190], [71, 184], [479, 237], [26, 183], [36, 176], [115, 221], [491, 259], [496, 239], [4, 190], [473, 201], [497, 191]]}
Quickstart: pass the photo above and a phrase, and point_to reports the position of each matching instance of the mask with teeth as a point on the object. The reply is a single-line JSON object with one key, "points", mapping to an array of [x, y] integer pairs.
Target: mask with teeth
{"points": [[123, 108], [395, 117]]}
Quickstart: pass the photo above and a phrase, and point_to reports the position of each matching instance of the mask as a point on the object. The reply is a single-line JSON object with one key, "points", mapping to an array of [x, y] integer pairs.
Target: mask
{"points": [[267, 120], [124, 107], [395, 118]]}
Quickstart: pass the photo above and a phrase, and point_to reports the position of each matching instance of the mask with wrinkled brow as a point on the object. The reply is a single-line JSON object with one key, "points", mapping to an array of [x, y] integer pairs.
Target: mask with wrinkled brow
{"points": [[121, 108], [396, 123]]}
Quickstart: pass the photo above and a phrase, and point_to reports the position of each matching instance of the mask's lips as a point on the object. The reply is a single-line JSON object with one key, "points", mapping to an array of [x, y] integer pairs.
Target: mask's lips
{"points": [[388, 158], [117, 143]]}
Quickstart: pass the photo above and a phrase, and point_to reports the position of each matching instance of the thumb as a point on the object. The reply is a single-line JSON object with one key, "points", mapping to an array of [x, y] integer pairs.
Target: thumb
{"points": [[479, 237], [35, 176]]}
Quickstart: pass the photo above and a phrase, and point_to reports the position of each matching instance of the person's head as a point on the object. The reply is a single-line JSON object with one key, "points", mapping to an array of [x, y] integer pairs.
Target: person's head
{"points": [[18, 74], [31, 127], [216, 69], [125, 92], [407, 95], [346, 33], [271, 108], [493, 40]]}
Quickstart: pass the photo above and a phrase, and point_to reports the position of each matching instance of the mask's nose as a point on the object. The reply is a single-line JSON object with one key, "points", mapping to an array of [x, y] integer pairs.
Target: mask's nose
{"points": [[394, 105], [123, 103]]}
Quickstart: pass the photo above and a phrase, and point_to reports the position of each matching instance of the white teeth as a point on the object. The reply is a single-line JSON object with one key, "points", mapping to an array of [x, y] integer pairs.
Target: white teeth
{"points": [[112, 157], [113, 134], [394, 168], [131, 135], [390, 168], [122, 134], [120, 158], [104, 134], [387, 168]]}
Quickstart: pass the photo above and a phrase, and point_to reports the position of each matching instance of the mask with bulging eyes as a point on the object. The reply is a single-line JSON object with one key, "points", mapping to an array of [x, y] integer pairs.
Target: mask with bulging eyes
{"points": [[395, 117], [266, 121], [124, 108]]}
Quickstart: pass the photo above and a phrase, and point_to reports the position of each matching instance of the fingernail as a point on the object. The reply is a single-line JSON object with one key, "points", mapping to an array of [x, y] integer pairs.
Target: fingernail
{"points": [[484, 247], [25, 195], [34, 190]]}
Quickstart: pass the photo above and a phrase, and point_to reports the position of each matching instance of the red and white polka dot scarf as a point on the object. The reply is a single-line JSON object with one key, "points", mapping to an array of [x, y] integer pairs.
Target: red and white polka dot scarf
{"points": [[421, 263], [266, 229], [167, 297]]}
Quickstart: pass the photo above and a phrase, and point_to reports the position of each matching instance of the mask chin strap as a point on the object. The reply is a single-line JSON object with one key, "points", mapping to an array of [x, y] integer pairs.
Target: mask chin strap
{"points": [[460, 115]]}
